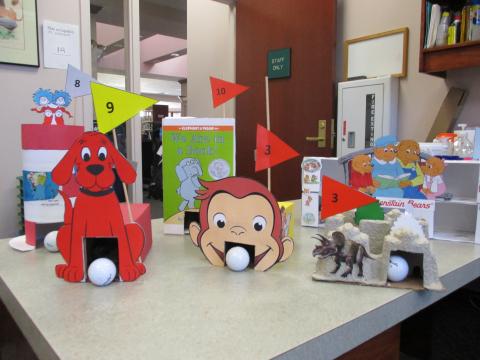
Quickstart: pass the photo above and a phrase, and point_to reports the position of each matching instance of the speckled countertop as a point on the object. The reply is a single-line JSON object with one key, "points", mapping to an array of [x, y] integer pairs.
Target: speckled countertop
{"points": [[184, 308]]}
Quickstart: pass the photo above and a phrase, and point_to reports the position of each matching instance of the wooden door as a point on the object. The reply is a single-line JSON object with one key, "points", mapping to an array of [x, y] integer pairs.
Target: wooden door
{"points": [[296, 103]]}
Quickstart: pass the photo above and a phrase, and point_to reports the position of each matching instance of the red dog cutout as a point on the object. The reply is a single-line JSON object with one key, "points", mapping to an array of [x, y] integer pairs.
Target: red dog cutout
{"points": [[97, 210]]}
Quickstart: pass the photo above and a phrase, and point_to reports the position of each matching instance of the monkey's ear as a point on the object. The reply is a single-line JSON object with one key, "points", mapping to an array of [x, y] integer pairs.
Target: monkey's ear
{"points": [[287, 248], [194, 229]]}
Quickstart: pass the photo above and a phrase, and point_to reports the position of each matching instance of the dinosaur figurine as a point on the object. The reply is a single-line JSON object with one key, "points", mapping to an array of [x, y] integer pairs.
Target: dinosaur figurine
{"points": [[344, 250]]}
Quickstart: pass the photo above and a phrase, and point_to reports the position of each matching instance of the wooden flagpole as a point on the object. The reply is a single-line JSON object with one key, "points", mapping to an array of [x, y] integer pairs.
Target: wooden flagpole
{"points": [[130, 215], [74, 110], [267, 104]]}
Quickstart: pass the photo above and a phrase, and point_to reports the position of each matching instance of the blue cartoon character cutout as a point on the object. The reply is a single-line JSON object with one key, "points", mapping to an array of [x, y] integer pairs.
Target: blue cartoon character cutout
{"points": [[388, 175]]}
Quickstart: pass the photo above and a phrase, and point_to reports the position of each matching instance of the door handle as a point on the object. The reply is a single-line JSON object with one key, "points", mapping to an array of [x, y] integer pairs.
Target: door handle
{"points": [[314, 138], [321, 138]]}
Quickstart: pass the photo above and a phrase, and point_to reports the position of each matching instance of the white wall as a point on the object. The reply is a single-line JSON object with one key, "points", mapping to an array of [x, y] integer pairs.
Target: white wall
{"points": [[211, 52], [420, 94], [17, 83]]}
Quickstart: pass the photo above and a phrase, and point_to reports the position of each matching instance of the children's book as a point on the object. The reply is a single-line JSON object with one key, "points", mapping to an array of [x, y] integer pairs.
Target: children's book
{"points": [[387, 181], [194, 149]]}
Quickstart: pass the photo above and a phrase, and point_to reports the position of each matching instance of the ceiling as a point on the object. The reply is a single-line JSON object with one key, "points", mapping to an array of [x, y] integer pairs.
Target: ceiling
{"points": [[163, 31]]}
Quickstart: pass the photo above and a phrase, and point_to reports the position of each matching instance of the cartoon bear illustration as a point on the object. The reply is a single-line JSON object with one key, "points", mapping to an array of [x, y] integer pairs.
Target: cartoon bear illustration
{"points": [[387, 171], [433, 184], [409, 156], [361, 174]]}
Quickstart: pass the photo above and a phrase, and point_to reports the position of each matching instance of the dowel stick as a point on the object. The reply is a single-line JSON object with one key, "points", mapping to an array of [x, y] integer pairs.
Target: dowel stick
{"points": [[267, 105], [130, 215]]}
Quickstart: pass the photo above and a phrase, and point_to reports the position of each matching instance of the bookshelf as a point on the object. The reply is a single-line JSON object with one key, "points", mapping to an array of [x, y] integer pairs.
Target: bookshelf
{"points": [[439, 59]]}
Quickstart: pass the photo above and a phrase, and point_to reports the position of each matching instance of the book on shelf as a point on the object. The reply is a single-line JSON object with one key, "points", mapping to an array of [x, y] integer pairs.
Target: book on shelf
{"points": [[435, 16]]}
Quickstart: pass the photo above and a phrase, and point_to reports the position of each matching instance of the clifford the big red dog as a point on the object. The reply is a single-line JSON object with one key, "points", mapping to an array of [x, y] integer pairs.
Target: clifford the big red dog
{"points": [[97, 211]]}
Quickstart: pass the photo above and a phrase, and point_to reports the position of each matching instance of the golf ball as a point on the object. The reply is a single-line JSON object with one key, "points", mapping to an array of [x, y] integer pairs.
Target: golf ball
{"points": [[102, 271], [50, 241], [397, 269], [237, 258]]}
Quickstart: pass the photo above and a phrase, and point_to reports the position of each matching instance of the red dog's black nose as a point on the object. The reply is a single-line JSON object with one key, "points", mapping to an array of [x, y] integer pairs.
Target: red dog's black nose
{"points": [[95, 169]]}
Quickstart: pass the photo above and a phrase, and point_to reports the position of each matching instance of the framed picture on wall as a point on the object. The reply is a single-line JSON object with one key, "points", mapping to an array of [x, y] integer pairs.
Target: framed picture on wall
{"points": [[18, 32]]}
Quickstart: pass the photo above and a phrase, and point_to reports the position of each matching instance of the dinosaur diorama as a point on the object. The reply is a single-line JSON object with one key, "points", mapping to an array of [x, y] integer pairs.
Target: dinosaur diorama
{"points": [[343, 250], [353, 253]]}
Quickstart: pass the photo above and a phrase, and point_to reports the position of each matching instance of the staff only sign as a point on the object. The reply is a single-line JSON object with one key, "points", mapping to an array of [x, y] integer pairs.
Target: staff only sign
{"points": [[424, 209]]}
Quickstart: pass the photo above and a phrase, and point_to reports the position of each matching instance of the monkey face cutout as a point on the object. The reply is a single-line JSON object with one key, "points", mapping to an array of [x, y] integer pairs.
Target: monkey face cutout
{"points": [[253, 220]]}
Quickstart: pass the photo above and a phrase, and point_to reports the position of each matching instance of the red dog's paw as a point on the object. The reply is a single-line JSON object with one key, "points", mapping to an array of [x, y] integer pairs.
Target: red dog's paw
{"points": [[60, 270], [129, 273], [73, 274], [141, 268]]}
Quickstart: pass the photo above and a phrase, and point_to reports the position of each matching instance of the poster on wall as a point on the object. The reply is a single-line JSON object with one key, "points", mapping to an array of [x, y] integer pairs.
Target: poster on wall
{"points": [[18, 32], [61, 45], [194, 149]]}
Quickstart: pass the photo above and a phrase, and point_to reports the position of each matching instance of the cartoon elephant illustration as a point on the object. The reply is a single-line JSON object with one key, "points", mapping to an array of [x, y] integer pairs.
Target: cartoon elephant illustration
{"points": [[188, 172]]}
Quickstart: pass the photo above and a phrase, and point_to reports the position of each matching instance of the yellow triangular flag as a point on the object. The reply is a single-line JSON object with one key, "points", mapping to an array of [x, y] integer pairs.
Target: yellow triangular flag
{"points": [[113, 106]]}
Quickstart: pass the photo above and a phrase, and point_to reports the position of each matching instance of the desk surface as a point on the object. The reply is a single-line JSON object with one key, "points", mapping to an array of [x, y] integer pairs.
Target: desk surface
{"points": [[185, 308]]}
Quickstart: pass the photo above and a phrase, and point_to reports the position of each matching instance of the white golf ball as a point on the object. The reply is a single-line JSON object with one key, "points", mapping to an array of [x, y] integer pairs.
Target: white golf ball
{"points": [[397, 269], [102, 271], [50, 241], [237, 258]]}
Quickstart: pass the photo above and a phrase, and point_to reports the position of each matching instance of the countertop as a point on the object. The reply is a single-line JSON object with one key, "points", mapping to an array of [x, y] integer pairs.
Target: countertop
{"points": [[184, 308]]}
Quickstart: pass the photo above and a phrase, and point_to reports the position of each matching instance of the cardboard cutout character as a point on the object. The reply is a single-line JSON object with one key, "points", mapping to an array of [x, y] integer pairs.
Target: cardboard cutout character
{"points": [[433, 184], [240, 211], [361, 174], [409, 155], [97, 211], [387, 172], [52, 105]]}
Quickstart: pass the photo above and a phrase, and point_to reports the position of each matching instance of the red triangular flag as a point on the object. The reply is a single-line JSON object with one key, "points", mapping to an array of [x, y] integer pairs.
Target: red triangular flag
{"points": [[271, 150], [338, 197], [222, 90]]}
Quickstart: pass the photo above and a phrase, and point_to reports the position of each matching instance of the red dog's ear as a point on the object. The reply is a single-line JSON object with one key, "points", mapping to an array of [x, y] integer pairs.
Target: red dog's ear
{"points": [[125, 170], [62, 173]]}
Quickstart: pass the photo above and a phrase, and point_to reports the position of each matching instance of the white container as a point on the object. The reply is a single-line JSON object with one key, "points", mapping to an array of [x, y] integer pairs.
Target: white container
{"points": [[434, 148]]}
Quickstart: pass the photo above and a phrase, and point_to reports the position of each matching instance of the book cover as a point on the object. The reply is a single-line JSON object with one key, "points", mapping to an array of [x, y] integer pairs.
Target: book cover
{"points": [[194, 149]]}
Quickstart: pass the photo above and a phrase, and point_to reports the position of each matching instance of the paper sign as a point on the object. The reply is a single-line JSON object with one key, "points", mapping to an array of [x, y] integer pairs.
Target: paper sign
{"points": [[61, 45], [278, 62], [338, 198], [77, 82], [113, 106], [271, 150], [222, 90]]}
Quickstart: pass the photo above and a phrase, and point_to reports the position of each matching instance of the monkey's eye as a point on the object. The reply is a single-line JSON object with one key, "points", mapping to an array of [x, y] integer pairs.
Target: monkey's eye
{"points": [[102, 153], [259, 223], [219, 220], [385, 150], [86, 155]]}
